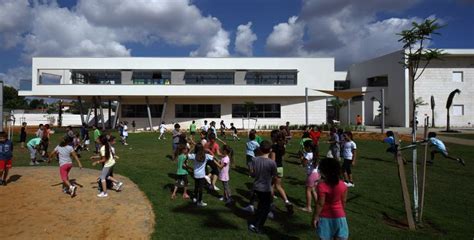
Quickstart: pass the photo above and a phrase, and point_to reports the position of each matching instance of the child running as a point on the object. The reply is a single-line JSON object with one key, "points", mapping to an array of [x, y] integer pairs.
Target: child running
{"points": [[162, 130], [200, 158], [349, 149], [125, 133], [6, 156], [212, 147], [192, 128], [181, 173], [222, 129], [234, 132], [64, 151], [439, 147], [278, 151], [224, 173], [108, 159], [250, 148], [329, 219]]}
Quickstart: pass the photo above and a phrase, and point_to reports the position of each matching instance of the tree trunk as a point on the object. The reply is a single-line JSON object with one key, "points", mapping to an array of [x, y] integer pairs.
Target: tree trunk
{"points": [[414, 153], [448, 128], [432, 118]]}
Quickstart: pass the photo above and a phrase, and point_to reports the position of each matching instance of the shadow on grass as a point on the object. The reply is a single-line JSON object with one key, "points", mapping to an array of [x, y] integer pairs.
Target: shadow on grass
{"points": [[212, 218], [241, 170], [295, 181], [377, 159]]}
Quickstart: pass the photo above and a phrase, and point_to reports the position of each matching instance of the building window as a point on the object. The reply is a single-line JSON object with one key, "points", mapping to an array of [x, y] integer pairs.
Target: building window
{"points": [[272, 78], [49, 79], [151, 77], [197, 110], [457, 76], [140, 111], [342, 85], [458, 110], [209, 78], [256, 110], [96, 77], [378, 81]]}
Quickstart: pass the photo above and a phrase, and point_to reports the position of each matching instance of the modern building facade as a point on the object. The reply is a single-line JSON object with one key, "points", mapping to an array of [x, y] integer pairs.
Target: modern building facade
{"points": [[454, 71], [151, 90]]}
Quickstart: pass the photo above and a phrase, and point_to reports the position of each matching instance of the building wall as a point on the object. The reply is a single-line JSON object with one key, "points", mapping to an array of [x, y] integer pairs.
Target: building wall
{"points": [[292, 110], [396, 94], [437, 81]]}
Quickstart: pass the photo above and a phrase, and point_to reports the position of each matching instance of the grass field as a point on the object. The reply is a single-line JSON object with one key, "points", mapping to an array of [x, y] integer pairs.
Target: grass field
{"points": [[459, 135], [374, 205]]}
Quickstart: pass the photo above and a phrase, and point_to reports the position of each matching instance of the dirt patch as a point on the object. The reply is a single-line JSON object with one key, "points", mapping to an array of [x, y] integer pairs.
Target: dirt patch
{"points": [[34, 207]]}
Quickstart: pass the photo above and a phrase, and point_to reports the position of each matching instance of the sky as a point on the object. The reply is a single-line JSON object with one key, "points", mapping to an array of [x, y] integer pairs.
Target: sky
{"points": [[350, 31]]}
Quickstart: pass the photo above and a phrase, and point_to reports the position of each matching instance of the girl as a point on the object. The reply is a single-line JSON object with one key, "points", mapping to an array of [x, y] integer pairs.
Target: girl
{"points": [[334, 144], [212, 147], [76, 143], [349, 149], [23, 135], [222, 128], [64, 151], [162, 130], [199, 158], [107, 157], [125, 133], [6, 156], [309, 161], [34, 145], [176, 133], [234, 132], [181, 173], [278, 151], [329, 219], [224, 173]]}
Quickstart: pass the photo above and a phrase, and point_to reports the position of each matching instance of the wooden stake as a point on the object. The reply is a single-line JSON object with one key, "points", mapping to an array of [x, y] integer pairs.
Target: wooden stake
{"points": [[403, 183], [423, 174]]}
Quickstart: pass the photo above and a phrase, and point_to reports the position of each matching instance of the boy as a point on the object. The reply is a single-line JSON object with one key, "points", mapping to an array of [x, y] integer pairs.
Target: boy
{"points": [[205, 127], [251, 146], [192, 128], [234, 132], [264, 170], [440, 148], [33, 145], [162, 130], [23, 135], [6, 155], [97, 134]]}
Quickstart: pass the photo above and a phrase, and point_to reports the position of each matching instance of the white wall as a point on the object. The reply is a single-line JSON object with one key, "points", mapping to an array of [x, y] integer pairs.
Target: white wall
{"points": [[396, 94], [292, 110], [34, 119], [437, 81]]}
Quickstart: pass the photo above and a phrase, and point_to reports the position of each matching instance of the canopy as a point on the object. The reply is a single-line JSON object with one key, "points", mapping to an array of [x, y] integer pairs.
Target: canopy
{"points": [[346, 95]]}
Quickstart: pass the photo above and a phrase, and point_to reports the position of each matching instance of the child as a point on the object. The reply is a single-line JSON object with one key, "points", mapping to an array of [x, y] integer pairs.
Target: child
{"points": [[6, 156], [33, 146], [309, 161], [200, 158], [213, 149], [212, 128], [264, 170], [23, 135], [64, 152], [76, 144], [349, 149], [203, 136], [440, 148], [162, 130], [85, 137], [222, 128], [329, 219], [234, 132], [107, 157], [181, 173], [315, 136], [97, 134], [176, 133], [125, 133], [205, 127], [224, 173], [192, 128], [278, 151], [334, 147], [251, 146]]}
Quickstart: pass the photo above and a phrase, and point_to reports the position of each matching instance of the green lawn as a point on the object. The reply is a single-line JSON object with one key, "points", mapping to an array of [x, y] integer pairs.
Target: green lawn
{"points": [[375, 200], [459, 135]]}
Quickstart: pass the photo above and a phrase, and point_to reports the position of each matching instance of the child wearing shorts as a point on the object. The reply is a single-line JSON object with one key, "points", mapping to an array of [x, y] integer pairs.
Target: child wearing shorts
{"points": [[23, 135], [349, 149], [33, 146], [107, 157], [162, 130], [199, 158], [312, 174], [6, 156], [181, 172], [251, 146], [224, 173], [234, 132], [439, 147]]}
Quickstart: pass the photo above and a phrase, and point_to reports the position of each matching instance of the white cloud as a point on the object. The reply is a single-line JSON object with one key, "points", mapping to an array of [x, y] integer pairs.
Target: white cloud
{"points": [[13, 76], [344, 29], [217, 46], [244, 39], [14, 21]]}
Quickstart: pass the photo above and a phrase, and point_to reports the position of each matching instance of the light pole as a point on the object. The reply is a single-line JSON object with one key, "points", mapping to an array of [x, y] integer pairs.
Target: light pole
{"points": [[306, 104]]}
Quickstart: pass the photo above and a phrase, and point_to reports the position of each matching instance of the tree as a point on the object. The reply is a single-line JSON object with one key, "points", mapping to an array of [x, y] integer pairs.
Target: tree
{"points": [[416, 57], [432, 111], [12, 100], [37, 103], [449, 102], [337, 104]]}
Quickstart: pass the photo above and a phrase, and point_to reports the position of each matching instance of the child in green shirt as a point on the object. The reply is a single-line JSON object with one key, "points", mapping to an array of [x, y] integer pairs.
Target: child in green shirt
{"points": [[181, 173]]}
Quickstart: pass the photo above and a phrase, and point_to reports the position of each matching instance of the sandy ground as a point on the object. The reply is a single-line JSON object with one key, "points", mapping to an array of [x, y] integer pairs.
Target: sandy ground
{"points": [[33, 206]]}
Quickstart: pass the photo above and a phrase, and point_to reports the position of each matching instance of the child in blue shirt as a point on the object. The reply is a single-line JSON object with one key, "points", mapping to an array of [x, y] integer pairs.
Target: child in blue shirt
{"points": [[439, 147], [6, 155], [250, 147]]}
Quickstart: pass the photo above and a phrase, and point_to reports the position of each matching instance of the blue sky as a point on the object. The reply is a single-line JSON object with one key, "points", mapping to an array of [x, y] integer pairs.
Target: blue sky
{"points": [[350, 31]]}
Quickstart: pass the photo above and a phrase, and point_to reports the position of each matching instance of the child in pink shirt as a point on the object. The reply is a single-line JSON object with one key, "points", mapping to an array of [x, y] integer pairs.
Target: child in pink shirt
{"points": [[224, 173], [329, 219]]}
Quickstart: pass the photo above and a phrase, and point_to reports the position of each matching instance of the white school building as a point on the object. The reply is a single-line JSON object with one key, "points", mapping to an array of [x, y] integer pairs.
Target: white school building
{"points": [[179, 90], [185, 89]]}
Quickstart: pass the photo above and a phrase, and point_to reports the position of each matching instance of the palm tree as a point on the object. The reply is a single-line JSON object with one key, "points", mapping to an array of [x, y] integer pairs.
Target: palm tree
{"points": [[432, 111], [448, 106]]}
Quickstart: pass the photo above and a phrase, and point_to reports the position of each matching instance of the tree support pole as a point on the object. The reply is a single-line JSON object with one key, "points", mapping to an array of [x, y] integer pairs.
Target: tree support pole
{"points": [[404, 185], [149, 113], [81, 112], [101, 114]]}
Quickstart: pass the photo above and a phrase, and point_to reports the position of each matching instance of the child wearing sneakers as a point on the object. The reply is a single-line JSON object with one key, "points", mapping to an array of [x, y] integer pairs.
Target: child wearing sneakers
{"points": [[6, 156], [199, 158], [64, 151], [234, 132], [251, 146], [108, 159], [35, 145], [181, 173], [224, 173], [439, 147], [162, 130], [309, 161], [349, 149]]}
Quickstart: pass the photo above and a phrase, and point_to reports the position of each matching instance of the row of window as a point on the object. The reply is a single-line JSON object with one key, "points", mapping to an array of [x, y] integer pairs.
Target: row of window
{"points": [[204, 111]]}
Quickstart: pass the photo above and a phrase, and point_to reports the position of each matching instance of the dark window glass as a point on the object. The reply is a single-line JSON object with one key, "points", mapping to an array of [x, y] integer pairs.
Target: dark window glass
{"points": [[257, 111], [151, 77], [341, 85], [272, 78], [140, 111], [211, 78], [50, 79], [197, 111], [379, 81], [96, 77]]}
